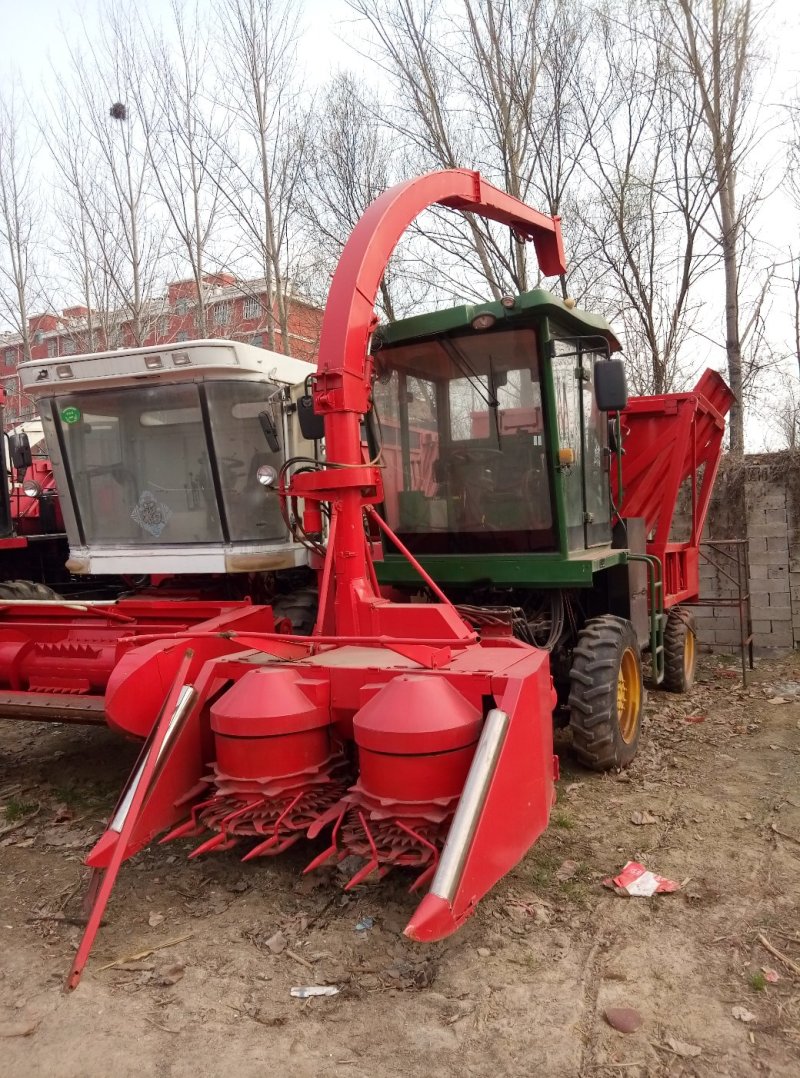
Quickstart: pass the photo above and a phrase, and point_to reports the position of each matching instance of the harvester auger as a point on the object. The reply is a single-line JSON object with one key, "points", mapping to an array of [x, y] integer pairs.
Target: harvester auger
{"points": [[412, 731]]}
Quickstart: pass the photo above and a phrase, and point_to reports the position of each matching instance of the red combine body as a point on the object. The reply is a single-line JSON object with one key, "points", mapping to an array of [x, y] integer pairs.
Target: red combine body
{"points": [[33, 542], [35, 507], [57, 658]]}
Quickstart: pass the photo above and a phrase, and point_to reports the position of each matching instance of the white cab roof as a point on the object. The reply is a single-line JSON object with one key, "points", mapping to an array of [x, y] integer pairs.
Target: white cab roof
{"points": [[182, 361]]}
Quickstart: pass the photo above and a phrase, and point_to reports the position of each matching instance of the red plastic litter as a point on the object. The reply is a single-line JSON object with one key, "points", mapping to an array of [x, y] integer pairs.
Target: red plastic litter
{"points": [[638, 881]]}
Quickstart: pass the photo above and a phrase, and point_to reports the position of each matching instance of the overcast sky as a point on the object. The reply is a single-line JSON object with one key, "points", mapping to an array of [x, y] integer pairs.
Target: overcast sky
{"points": [[33, 33]]}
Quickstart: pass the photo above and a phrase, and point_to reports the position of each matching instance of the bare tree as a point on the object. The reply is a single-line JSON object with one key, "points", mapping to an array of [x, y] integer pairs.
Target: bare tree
{"points": [[79, 261], [20, 222], [98, 136], [349, 163], [715, 40], [465, 81], [651, 178], [784, 415], [564, 111], [184, 140], [258, 77], [793, 185]]}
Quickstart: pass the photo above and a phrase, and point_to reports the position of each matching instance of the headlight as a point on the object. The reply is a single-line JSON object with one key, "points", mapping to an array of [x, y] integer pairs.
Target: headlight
{"points": [[267, 476], [31, 489]]}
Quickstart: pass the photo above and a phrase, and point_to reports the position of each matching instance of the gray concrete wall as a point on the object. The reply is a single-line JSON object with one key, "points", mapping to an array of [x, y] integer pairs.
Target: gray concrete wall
{"points": [[771, 524]]}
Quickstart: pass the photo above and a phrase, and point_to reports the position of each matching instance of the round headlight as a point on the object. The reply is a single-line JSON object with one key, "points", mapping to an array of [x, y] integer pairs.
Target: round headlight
{"points": [[31, 489], [267, 476]]}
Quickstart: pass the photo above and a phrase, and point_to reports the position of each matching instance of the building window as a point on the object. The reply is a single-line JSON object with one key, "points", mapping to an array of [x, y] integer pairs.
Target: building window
{"points": [[222, 314], [182, 336], [258, 340], [38, 337], [11, 355], [182, 306], [163, 326], [251, 308], [52, 348], [69, 347]]}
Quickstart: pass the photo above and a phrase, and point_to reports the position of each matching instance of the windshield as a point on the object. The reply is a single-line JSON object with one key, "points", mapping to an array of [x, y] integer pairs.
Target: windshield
{"points": [[171, 464], [460, 424]]}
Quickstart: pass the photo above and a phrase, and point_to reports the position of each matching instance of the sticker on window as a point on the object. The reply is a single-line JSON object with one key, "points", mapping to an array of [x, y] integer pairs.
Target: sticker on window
{"points": [[71, 414], [151, 514]]}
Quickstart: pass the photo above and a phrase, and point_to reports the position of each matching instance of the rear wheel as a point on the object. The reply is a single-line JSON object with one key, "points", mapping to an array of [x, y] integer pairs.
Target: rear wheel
{"points": [[26, 590], [680, 651], [606, 697], [300, 607]]}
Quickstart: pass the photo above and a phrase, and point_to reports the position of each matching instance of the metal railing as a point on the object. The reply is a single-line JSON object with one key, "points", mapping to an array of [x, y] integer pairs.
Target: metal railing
{"points": [[730, 558]]}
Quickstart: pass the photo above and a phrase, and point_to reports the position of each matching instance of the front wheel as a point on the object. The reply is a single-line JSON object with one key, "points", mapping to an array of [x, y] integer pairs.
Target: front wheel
{"points": [[606, 699], [680, 651]]}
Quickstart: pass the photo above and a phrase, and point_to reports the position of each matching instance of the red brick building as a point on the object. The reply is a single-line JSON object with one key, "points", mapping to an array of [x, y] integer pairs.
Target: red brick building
{"points": [[235, 309]]}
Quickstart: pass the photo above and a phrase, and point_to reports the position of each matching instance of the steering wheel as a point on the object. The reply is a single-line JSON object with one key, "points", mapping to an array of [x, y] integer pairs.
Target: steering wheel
{"points": [[477, 452], [117, 471], [482, 456]]}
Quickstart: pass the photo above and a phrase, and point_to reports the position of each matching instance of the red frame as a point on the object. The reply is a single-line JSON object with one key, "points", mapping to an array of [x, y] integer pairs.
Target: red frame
{"points": [[349, 602]]}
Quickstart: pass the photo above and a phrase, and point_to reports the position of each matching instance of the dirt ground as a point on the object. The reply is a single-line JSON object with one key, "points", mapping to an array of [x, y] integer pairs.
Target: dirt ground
{"points": [[521, 990]]}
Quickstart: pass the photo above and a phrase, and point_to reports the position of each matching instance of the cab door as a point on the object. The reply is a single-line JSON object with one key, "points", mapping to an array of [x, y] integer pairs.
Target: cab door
{"points": [[594, 436], [582, 443]]}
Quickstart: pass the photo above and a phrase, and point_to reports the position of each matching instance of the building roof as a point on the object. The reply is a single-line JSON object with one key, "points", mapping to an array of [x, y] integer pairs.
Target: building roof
{"points": [[218, 291]]}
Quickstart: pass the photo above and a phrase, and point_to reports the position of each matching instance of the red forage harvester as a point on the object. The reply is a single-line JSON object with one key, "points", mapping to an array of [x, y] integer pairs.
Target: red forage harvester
{"points": [[394, 729]]}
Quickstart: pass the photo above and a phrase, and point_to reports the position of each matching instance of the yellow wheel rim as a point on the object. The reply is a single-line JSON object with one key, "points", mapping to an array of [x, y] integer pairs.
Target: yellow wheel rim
{"points": [[629, 696], [688, 655]]}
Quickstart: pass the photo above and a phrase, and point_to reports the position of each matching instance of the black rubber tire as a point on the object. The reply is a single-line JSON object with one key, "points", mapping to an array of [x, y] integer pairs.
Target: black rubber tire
{"points": [[26, 590], [597, 736], [679, 669], [300, 607]]}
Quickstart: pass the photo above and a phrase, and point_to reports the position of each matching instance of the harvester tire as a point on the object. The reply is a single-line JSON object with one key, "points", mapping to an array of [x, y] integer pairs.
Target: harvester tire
{"points": [[606, 699], [26, 590], [680, 651], [300, 607]]}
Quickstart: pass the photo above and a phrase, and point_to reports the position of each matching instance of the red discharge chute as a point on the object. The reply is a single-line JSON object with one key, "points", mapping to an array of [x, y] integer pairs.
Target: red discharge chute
{"points": [[672, 441]]}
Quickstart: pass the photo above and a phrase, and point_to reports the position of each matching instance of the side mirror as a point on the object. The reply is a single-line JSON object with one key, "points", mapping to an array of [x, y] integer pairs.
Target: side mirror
{"points": [[312, 426], [270, 431], [610, 385], [19, 450]]}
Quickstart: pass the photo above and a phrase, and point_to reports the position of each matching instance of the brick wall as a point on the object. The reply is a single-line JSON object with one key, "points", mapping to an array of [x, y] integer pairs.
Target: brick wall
{"points": [[770, 522]]}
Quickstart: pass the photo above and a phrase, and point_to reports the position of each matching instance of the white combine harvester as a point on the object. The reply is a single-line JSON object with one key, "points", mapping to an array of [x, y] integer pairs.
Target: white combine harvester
{"points": [[164, 456]]}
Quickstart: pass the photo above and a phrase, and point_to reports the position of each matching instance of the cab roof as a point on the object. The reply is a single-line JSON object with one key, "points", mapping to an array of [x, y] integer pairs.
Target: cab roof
{"points": [[528, 307], [178, 361]]}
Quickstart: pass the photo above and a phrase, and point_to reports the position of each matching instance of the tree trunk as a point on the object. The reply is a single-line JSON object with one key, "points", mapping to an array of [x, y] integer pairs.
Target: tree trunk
{"points": [[733, 346]]}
